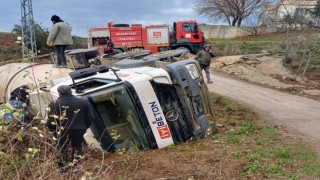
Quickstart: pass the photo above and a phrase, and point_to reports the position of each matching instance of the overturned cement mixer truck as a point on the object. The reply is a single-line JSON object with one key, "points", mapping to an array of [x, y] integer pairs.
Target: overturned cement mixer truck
{"points": [[147, 107]]}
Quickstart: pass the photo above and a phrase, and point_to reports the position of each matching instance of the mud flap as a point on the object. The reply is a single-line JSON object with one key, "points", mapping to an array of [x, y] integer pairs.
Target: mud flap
{"points": [[204, 124]]}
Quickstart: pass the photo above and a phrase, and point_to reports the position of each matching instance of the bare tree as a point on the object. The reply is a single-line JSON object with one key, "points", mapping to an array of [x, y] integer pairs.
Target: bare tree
{"points": [[250, 25], [232, 11]]}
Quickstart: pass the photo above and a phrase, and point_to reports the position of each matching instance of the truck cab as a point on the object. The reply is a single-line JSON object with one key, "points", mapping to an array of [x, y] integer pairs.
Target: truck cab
{"points": [[144, 107], [187, 35]]}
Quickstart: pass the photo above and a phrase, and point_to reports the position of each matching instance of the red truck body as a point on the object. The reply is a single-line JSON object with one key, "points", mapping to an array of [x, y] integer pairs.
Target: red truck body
{"points": [[156, 38]]}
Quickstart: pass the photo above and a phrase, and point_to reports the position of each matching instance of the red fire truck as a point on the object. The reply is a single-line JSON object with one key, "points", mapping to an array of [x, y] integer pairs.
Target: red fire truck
{"points": [[184, 35]]}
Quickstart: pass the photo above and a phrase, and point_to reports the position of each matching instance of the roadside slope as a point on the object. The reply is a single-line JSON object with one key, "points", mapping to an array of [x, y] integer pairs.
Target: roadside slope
{"points": [[297, 114]]}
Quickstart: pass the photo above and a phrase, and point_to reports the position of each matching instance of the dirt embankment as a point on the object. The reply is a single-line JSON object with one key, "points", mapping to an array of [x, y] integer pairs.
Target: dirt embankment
{"points": [[268, 71]]}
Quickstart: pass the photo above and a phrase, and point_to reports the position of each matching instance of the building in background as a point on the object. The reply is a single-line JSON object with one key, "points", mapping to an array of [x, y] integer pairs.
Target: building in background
{"points": [[272, 15]]}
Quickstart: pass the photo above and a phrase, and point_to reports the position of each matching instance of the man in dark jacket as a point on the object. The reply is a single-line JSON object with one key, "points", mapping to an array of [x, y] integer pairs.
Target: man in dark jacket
{"points": [[19, 99], [69, 117], [20, 94], [204, 57]]}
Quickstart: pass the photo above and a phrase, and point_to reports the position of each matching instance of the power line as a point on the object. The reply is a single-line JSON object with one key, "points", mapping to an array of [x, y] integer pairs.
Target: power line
{"points": [[28, 33]]}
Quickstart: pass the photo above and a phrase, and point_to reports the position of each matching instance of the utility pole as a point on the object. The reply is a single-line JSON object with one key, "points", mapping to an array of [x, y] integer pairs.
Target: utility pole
{"points": [[29, 46]]}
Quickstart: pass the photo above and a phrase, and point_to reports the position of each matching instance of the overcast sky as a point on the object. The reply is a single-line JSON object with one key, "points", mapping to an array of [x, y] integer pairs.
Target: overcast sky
{"points": [[83, 14]]}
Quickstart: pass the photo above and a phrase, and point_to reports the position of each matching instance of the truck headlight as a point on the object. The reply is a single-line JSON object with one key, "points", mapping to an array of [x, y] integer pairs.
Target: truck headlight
{"points": [[193, 71]]}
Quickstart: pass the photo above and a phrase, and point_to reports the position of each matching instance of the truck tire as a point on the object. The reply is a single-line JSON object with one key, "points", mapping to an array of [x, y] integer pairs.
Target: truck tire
{"points": [[166, 54], [129, 63], [132, 54], [88, 53], [183, 48], [117, 51], [120, 25]]}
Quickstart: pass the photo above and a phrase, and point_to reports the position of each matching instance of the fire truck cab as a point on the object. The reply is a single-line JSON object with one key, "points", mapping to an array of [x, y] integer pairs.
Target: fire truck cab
{"points": [[187, 35]]}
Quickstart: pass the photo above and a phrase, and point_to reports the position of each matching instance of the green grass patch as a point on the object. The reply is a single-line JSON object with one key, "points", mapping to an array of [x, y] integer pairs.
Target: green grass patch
{"points": [[236, 155], [269, 132], [225, 47], [246, 128], [260, 146], [234, 139], [253, 167], [283, 153], [229, 104]]}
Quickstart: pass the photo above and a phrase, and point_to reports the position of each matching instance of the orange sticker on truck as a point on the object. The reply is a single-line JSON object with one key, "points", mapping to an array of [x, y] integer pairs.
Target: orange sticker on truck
{"points": [[162, 128]]}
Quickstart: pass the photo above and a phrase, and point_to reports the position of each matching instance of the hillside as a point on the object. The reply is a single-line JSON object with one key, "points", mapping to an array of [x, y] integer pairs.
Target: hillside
{"points": [[296, 48], [9, 50]]}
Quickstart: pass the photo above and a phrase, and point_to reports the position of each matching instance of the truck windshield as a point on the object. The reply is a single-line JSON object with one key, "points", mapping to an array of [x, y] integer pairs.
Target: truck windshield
{"points": [[117, 126], [190, 27]]}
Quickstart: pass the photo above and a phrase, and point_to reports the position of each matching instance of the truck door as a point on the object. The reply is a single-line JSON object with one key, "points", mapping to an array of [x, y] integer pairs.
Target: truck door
{"points": [[188, 35], [189, 31]]}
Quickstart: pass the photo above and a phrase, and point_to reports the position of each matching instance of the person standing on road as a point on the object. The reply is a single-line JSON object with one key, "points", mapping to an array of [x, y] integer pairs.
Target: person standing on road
{"points": [[60, 37], [204, 57], [69, 118]]}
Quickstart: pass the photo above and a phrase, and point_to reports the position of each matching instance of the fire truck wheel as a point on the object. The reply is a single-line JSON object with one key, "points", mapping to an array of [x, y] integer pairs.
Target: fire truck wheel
{"points": [[120, 25]]}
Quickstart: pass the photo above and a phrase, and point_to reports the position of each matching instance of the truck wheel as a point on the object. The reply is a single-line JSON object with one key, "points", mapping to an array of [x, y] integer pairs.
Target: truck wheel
{"points": [[166, 54], [117, 51], [129, 63], [132, 54], [120, 25], [183, 48], [88, 53]]}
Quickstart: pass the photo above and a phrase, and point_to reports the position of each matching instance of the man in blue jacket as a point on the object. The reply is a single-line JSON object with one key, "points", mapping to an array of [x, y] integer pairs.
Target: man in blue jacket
{"points": [[69, 117]]}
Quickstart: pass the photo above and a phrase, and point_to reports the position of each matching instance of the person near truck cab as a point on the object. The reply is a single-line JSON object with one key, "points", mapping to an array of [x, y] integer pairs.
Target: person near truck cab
{"points": [[110, 46], [19, 99], [69, 117], [60, 37], [204, 57], [20, 95]]}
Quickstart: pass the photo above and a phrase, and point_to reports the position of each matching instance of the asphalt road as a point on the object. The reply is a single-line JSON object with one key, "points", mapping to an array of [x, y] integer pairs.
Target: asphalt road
{"points": [[299, 115]]}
